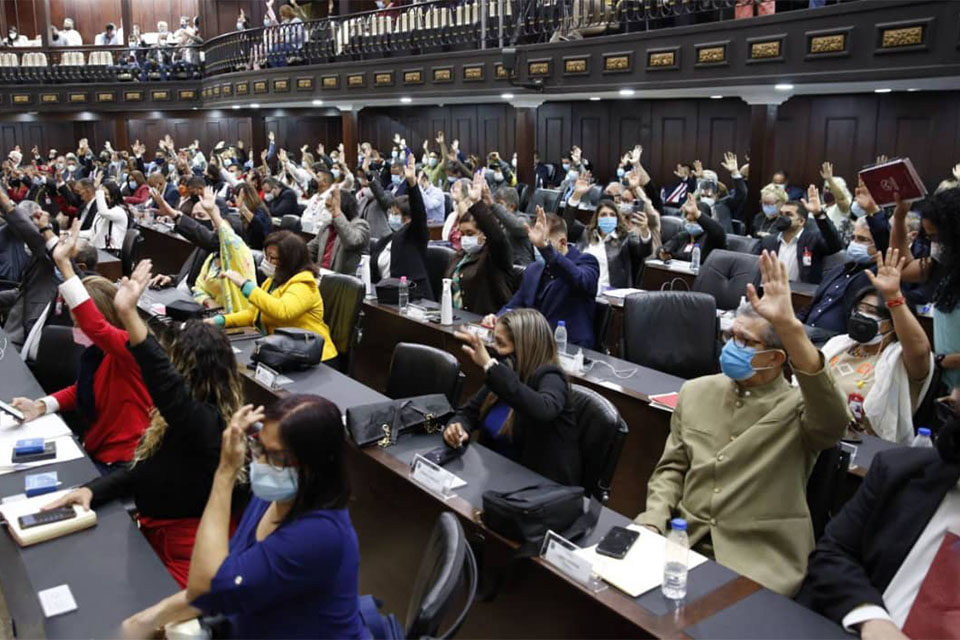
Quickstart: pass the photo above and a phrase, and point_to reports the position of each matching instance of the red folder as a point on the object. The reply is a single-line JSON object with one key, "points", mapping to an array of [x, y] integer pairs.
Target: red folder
{"points": [[895, 176], [666, 400]]}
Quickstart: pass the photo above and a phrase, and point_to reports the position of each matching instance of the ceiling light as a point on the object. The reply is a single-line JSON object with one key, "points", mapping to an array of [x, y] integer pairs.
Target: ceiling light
{"points": [[912, 89], [506, 96], [254, 106], [594, 98], [716, 97], [235, 107], [882, 90], [783, 87], [627, 92], [406, 99], [317, 103]]}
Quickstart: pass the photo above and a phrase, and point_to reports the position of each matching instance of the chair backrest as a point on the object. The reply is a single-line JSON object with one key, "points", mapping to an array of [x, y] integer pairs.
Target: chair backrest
{"points": [[824, 494], [549, 199], [417, 369], [601, 324], [725, 275], [342, 302], [669, 227], [446, 564], [130, 250], [602, 433], [738, 226], [671, 331], [58, 358], [740, 244], [834, 260], [438, 261], [447, 204], [290, 223]]}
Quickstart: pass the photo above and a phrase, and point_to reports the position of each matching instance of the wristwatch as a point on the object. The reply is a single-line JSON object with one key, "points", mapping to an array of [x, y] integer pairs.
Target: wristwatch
{"points": [[46, 228]]}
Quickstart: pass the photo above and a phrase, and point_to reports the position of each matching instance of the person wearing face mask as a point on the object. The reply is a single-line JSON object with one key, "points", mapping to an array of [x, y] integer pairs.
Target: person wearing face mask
{"points": [[772, 197], [673, 196], [257, 224], [563, 286], [523, 411], [340, 237], [374, 202], [14, 38], [482, 272], [722, 208], [570, 177], [193, 383], [506, 209], [886, 565], [403, 252], [459, 195], [281, 199], [836, 201], [138, 188], [68, 36], [827, 314], [798, 244], [211, 289], [295, 545], [433, 200], [882, 364], [500, 172], [109, 395], [742, 443], [619, 243], [699, 229], [111, 219]]}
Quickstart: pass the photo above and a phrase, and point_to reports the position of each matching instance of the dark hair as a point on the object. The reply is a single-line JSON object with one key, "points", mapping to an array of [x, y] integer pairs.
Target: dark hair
{"points": [[196, 182], [509, 197], [786, 176], [941, 210], [84, 183], [271, 183], [114, 196], [326, 173], [138, 176], [311, 429], [293, 255], [403, 204], [87, 256], [555, 225], [882, 309]]}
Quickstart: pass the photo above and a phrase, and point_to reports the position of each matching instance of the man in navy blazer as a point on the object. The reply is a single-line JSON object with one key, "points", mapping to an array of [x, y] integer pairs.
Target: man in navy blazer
{"points": [[803, 245], [563, 286]]}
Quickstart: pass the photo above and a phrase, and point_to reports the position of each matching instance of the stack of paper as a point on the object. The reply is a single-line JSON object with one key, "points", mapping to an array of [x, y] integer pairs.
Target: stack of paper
{"points": [[48, 427], [11, 512]]}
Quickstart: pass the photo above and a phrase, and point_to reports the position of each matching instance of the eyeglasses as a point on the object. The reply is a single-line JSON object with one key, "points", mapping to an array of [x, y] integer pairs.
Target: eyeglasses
{"points": [[728, 336], [865, 240], [279, 460]]}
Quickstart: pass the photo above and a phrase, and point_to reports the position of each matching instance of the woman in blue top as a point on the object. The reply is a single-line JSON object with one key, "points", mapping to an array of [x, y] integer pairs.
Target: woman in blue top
{"points": [[290, 570]]}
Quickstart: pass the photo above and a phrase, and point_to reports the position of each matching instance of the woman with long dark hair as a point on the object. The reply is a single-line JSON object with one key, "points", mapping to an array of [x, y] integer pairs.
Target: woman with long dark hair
{"points": [[194, 384], [110, 223], [291, 569]]}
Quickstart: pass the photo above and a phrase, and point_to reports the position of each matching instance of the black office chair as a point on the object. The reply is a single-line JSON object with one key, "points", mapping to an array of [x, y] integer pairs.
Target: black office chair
{"points": [[417, 370], [739, 227], [601, 325], [740, 244], [522, 190], [58, 358], [290, 223], [671, 331], [439, 259], [130, 250], [549, 199], [834, 260], [592, 198], [824, 495], [669, 227], [342, 304], [725, 275], [518, 271], [602, 433]]}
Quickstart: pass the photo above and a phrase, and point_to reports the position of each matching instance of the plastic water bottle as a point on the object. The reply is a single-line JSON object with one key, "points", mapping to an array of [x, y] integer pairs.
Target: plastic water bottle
{"points": [[560, 335], [446, 303], [674, 584], [403, 297], [695, 259], [922, 439]]}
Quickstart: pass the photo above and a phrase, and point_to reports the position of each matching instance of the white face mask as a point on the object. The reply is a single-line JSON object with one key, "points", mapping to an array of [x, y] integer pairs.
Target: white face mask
{"points": [[470, 244], [936, 251], [268, 197], [267, 268], [707, 200]]}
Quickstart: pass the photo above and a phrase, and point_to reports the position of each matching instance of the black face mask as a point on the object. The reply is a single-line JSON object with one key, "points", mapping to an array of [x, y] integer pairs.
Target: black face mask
{"points": [[206, 223], [861, 328], [782, 224]]}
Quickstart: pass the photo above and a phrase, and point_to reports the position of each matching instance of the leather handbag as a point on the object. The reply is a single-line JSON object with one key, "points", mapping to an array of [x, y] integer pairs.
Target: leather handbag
{"points": [[381, 423], [388, 291], [183, 310], [289, 349]]}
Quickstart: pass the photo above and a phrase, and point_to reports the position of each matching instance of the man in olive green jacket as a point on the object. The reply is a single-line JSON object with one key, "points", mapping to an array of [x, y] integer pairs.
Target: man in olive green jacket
{"points": [[742, 444]]}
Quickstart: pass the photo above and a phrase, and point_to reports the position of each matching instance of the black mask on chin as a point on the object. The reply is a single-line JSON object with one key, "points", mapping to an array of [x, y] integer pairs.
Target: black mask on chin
{"points": [[206, 223], [782, 224], [861, 328]]}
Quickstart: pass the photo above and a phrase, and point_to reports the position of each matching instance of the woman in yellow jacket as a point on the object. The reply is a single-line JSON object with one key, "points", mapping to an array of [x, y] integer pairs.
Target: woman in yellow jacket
{"points": [[289, 297]]}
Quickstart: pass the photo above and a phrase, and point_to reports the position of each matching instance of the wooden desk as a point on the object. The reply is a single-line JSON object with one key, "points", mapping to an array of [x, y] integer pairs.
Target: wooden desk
{"points": [[109, 266], [167, 249]]}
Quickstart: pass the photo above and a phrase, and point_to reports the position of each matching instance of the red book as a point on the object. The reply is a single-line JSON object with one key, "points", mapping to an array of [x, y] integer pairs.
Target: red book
{"points": [[667, 400], [895, 176]]}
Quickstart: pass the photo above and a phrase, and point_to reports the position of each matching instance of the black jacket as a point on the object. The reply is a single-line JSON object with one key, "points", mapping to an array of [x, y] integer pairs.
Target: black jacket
{"points": [[820, 240], [175, 481], [284, 204], [205, 242], [545, 431], [408, 253], [38, 282], [713, 237], [865, 544], [487, 281]]}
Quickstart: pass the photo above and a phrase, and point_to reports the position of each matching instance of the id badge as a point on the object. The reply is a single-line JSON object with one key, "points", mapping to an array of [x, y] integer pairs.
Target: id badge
{"points": [[688, 248], [807, 258], [855, 403]]}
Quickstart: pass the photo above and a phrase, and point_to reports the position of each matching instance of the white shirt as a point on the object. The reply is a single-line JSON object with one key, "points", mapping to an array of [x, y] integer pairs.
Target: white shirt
{"points": [[71, 38], [383, 260], [787, 254], [598, 250], [903, 588], [109, 226], [103, 40]]}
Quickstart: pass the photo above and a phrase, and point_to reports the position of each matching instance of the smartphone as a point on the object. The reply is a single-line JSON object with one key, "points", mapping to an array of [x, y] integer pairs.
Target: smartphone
{"points": [[617, 542], [13, 411], [49, 452], [444, 454], [46, 517]]}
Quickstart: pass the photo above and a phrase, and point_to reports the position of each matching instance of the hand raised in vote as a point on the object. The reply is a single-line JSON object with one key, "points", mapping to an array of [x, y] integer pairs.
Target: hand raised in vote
{"points": [[776, 306], [474, 348], [539, 233], [233, 450], [81, 496], [455, 435], [887, 280]]}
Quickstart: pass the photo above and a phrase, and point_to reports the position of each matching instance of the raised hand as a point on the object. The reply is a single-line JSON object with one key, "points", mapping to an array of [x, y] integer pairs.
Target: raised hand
{"points": [[698, 168], [690, 207], [730, 162], [439, 138], [67, 247], [333, 201], [889, 268], [410, 170], [271, 136], [881, 158], [956, 171], [282, 154], [233, 449], [209, 200], [475, 192], [582, 184], [776, 305], [473, 346], [130, 289], [812, 203], [538, 233], [826, 171], [864, 199]]}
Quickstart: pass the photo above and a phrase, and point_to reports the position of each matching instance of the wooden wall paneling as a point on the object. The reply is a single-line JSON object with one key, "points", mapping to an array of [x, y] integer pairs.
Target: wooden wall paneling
{"points": [[10, 137], [220, 16], [630, 125], [843, 131], [463, 127], [147, 14], [590, 130], [918, 126], [793, 141], [553, 131], [89, 16], [723, 125], [673, 136], [25, 14]]}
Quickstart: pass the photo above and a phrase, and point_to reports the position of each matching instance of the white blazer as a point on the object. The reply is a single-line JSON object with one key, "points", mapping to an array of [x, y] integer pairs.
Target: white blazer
{"points": [[109, 226]]}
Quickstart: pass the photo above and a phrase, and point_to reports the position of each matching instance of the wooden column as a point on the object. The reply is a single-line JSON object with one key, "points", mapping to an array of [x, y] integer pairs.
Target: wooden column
{"points": [[763, 121], [258, 133], [126, 20], [350, 133], [44, 23], [121, 140], [526, 138]]}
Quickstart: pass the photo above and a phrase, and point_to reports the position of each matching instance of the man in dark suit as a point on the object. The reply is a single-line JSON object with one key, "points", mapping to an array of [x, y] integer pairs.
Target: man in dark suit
{"points": [[280, 199], [890, 560], [562, 287], [800, 245]]}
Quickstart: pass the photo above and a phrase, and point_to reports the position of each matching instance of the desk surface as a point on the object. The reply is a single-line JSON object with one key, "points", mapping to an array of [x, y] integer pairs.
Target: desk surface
{"points": [[111, 569]]}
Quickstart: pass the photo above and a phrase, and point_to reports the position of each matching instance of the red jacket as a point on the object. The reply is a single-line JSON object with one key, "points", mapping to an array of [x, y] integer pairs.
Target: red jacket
{"points": [[122, 401], [141, 195]]}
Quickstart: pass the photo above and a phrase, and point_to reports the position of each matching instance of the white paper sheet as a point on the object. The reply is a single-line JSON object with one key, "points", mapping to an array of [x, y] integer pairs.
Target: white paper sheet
{"points": [[642, 568], [67, 449], [46, 427]]}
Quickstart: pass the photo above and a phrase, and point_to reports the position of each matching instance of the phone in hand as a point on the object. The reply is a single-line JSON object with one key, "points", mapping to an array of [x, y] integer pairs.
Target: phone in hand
{"points": [[617, 542], [13, 411]]}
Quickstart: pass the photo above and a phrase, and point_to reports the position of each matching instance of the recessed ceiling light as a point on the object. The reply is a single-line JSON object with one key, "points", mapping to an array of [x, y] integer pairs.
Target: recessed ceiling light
{"points": [[627, 92], [594, 98], [784, 86], [235, 107], [406, 99], [912, 89], [506, 96], [254, 106], [317, 103], [716, 97], [882, 90]]}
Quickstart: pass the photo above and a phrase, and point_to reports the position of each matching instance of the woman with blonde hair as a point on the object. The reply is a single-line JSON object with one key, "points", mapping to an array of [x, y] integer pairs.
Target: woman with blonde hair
{"points": [[523, 410], [772, 197], [196, 387]]}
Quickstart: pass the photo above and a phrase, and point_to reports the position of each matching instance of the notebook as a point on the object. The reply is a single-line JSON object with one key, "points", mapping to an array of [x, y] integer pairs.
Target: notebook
{"points": [[12, 511], [895, 176]]}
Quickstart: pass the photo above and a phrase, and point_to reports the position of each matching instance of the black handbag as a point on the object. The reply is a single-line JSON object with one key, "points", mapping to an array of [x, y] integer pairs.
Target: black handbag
{"points": [[388, 291], [183, 310], [381, 423], [525, 515], [289, 349]]}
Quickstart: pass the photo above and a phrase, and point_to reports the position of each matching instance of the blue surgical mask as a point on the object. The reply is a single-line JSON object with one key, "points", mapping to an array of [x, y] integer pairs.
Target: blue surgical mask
{"points": [[452, 179], [857, 210], [736, 360], [395, 221], [394, 154], [606, 224], [693, 229], [267, 22], [470, 244], [396, 178], [335, 173], [770, 210], [621, 172], [272, 485], [432, 162], [566, 166], [133, 185], [859, 253]]}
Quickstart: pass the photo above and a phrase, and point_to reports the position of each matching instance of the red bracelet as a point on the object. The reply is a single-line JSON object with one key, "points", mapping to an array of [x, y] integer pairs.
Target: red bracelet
{"points": [[896, 302]]}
